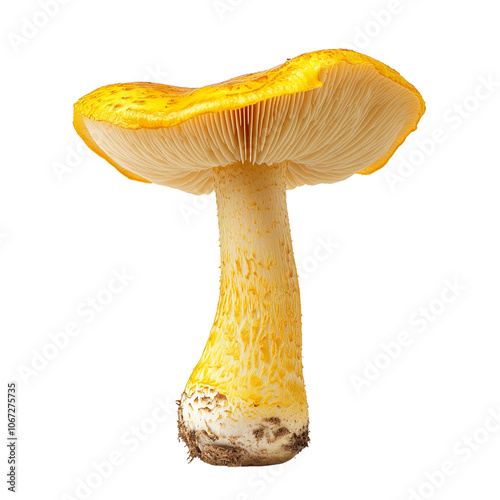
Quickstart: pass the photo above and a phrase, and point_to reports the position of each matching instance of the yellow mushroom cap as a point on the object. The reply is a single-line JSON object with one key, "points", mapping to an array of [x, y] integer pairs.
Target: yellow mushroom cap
{"points": [[327, 114]]}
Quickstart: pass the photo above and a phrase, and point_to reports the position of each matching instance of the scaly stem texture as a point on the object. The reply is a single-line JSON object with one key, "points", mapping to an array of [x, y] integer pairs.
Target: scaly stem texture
{"points": [[254, 348]]}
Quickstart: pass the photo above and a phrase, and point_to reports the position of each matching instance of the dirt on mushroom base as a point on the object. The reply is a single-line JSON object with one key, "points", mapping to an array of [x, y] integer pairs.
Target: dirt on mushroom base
{"points": [[234, 455]]}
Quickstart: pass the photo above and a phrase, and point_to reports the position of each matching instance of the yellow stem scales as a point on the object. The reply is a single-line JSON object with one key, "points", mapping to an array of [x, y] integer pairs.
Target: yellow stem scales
{"points": [[249, 384]]}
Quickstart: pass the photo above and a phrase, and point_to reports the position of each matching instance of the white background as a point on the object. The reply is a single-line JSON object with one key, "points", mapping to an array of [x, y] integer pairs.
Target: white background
{"points": [[68, 220]]}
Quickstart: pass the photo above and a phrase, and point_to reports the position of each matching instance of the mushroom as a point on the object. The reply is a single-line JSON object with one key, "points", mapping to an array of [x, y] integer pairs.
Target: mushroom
{"points": [[317, 118]]}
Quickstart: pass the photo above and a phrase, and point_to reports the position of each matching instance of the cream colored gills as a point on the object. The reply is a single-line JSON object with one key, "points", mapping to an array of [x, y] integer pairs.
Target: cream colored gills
{"points": [[326, 134], [245, 403]]}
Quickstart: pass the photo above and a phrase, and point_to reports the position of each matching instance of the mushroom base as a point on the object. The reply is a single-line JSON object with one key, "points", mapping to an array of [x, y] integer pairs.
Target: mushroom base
{"points": [[244, 439]]}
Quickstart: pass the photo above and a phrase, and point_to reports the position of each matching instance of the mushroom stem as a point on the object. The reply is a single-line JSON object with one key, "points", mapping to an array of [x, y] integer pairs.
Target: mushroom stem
{"points": [[245, 402]]}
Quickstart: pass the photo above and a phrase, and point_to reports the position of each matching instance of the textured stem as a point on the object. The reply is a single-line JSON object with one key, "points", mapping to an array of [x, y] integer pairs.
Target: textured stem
{"points": [[247, 392]]}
